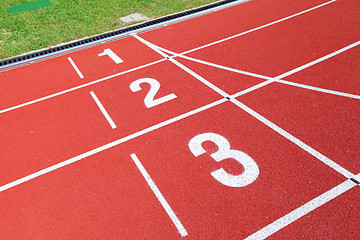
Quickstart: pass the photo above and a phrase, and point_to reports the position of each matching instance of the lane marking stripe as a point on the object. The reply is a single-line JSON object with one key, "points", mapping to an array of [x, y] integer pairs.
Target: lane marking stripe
{"points": [[301, 211], [189, 71], [338, 93], [225, 39], [279, 130], [295, 140], [160, 197], [258, 28], [109, 145], [318, 89], [75, 67], [79, 87], [103, 110], [270, 78]]}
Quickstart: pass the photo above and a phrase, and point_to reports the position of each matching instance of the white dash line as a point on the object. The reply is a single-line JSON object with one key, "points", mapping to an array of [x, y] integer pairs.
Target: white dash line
{"points": [[258, 28], [78, 87], [103, 110], [75, 67], [108, 146], [294, 84], [295, 140], [301, 211], [186, 69], [317, 89], [269, 79], [160, 197]]}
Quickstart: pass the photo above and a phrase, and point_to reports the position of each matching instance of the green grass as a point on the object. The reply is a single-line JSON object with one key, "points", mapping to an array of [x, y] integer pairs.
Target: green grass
{"points": [[69, 20]]}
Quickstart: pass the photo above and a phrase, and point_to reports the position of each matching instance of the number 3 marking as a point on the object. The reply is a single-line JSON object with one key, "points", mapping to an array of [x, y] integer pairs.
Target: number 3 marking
{"points": [[154, 88], [251, 170]]}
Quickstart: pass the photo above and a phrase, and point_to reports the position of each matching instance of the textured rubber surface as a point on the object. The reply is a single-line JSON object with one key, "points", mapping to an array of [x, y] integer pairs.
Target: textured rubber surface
{"points": [[128, 140]]}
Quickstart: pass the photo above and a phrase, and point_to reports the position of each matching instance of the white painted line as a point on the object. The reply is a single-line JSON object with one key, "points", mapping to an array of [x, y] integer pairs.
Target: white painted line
{"points": [[225, 68], [192, 73], [298, 69], [109, 145], [201, 79], [342, 94], [295, 140], [150, 45], [103, 110], [160, 197], [257, 28], [75, 67], [270, 79], [302, 211], [146, 65], [279, 130], [79, 87]]}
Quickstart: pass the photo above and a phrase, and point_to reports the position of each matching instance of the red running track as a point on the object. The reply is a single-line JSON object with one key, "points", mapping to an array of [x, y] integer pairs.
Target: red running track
{"points": [[239, 124]]}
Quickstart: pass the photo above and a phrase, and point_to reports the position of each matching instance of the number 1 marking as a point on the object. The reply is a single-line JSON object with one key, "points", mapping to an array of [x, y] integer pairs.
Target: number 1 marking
{"points": [[112, 55], [251, 170]]}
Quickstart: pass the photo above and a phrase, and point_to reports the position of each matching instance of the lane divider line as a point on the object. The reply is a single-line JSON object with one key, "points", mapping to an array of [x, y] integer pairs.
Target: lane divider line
{"points": [[103, 110], [258, 28], [343, 94], [79, 87], [75, 67], [299, 85], [109, 145], [186, 69], [159, 196], [294, 140], [302, 211], [262, 119], [192, 50]]}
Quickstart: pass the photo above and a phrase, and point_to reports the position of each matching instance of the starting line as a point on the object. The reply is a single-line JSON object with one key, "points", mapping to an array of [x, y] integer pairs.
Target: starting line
{"points": [[210, 134]]}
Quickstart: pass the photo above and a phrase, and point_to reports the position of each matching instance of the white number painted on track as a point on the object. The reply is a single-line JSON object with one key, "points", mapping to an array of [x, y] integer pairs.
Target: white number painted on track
{"points": [[251, 170], [112, 55], [154, 88]]}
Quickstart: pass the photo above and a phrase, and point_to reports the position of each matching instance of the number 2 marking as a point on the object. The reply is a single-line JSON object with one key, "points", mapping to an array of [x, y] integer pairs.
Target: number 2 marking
{"points": [[251, 170], [154, 88]]}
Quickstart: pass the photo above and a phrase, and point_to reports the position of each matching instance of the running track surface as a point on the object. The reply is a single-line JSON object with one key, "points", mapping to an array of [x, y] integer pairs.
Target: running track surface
{"points": [[242, 123]]}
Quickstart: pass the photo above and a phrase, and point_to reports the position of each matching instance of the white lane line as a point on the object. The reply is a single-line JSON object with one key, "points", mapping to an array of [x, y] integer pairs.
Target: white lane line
{"points": [[94, 82], [295, 140], [109, 145], [257, 28], [279, 130], [75, 67], [79, 87], [298, 69], [318, 60], [343, 94], [150, 45], [189, 71], [224, 67], [302, 211], [270, 79], [160, 197], [103, 110]]}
